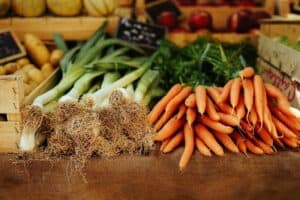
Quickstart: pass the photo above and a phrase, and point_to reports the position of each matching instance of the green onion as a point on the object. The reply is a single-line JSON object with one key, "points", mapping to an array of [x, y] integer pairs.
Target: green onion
{"points": [[144, 84], [153, 93], [109, 78]]}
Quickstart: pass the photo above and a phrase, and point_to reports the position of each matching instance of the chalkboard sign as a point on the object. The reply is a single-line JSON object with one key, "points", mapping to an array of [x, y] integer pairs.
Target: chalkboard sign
{"points": [[10, 47], [142, 34], [154, 9]]}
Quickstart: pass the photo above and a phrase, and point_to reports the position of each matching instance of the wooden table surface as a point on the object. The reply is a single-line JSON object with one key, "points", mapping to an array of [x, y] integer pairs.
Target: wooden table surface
{"points": [[155, 177]]}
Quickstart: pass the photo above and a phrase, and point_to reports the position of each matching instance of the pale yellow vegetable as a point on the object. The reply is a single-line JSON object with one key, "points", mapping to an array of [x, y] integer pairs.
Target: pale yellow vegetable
{"points": [[65, 8], [36, 49], [100, 8], [2, 70], [4, 7], [47, 69], [23, 74], [11, 67], [56, 56], [23, 61], [29, 8], [27, 89], [27, 67], [36, 75]]}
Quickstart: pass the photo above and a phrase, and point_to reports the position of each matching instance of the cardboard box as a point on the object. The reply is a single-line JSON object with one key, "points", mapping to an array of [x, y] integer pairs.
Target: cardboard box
{"points": [[273, 75]]}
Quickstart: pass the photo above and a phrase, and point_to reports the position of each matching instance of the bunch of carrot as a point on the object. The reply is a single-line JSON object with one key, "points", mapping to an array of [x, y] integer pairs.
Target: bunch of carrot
{"points": [[245, 115]]}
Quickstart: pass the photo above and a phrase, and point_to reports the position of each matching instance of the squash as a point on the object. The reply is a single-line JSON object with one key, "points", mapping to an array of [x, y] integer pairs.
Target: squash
{"points": [[65, 8], [100, 8], [29, 8], [4, 7]]}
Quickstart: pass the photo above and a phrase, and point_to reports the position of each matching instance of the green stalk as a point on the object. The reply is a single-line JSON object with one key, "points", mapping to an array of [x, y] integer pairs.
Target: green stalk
{"points": [[60, 42], [153, 93], [94, 88], [101, 94], [81, 86], [144, 84], [109, 78]]}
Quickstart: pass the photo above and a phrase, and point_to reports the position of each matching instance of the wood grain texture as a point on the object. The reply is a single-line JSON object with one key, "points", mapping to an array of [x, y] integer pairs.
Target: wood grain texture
{"points": [[156, 177]]}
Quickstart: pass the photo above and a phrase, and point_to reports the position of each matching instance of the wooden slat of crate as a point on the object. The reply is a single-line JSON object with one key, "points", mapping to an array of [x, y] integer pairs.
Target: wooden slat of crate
{"points": [[9, 136], [73, 28]]}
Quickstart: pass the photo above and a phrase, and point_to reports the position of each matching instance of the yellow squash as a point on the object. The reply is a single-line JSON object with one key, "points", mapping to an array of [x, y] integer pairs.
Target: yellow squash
{"points": [[100, 8], [65, 8], [4, 7], [29, 8]]}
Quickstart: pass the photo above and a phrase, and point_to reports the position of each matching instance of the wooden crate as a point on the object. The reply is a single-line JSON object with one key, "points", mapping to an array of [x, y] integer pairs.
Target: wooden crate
{"points": [[11, 101], [72, 28]]}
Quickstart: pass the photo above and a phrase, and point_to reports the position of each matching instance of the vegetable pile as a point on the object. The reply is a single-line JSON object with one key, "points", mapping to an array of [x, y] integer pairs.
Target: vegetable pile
{"points": [[244, 115], [204, 62]]}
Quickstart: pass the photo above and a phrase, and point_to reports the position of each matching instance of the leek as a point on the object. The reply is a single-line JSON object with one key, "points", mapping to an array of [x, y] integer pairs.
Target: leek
{"points": [[109, 78], [153, 93], [144, 84]]}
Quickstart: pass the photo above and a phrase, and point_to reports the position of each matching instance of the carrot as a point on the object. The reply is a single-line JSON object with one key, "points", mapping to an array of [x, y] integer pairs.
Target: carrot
{"points": [[289, 121], [191, 101], [252, 148], [264, 135], [248, 94], [181, 112], [213, 93], [283, 129], [226, 91], [229, 119], [290, 142], [279, 143], [240, 142], [191, 116], [227, 142], [253, 117], [259, 97], [266, 148], [172, 106], [208, 138], [220, 89], [211, 110], [267, 114], [189, 141], [169, 129], [247, 72], [235, 92], [246, 127], [174, 142], [160, 106], [164, 144], [202, 148], [217, 126], [240, 108], [282, 102], [200, 92]]}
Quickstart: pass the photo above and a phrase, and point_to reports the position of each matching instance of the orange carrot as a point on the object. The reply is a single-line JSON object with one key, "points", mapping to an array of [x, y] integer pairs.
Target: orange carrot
{"points": [[247, 72], [253, 117], [290, 142], [278, 142], [173, 105], [164, 144], [259, 97], [282, 101], [240, 142], [264, 135], [266, 148], [283, 129], [252, 148], [229, 119], [174, 142], [211, 110], [189, 144], [235, 92], [169, 129], [213, 93], [160, 106], [240, 108], [246, 127], [289, 121], [267, 114], [191, 101], [227, 142], [191, 116], [226, 92], [217, 126], [202, 148], [160, 123], [248, 94], [200, 92], [208, 138], [181, 112]]}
